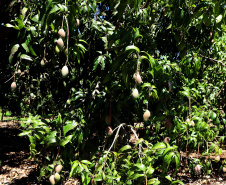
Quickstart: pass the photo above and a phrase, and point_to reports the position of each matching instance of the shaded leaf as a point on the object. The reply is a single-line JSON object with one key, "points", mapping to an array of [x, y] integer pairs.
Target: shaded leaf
{"points": [[69, 127], [66, 140], [26, 57]]}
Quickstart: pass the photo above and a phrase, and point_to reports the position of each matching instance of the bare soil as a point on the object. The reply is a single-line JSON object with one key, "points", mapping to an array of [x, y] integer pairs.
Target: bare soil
{"points": [[17, 169]]}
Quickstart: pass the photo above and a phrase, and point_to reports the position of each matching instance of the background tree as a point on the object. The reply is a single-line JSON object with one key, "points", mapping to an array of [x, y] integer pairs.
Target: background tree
{"points": [[177, 47]]}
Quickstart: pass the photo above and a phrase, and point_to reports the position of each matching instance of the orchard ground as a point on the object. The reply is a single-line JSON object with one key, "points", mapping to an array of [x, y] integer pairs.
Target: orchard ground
{"points": [[17, 168]]}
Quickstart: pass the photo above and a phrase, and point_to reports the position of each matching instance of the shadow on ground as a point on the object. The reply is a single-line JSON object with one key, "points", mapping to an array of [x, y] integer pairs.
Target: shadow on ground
{"points": [[14, 154]]}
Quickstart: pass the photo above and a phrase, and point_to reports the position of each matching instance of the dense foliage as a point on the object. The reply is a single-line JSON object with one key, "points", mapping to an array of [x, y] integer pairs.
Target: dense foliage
{"points": [[177, 48]]}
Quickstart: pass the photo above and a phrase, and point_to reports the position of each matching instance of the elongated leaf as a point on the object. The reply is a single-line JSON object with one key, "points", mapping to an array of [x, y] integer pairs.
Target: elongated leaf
{"points": [[137, 175], [154, 181], [98, 60], [14, 49], [32, 51], [80, 137], [177, 182], [86, 162], [54, 9], [25, 133], [219, 18], [133, 48], [146, 85], [167, 150], [167, 160], [168, 177], [159, 146], [73, 168], [150, 170], [213, 115], [66, 140], [9, 25], [69, 127], [26, 57], [141, 166], [177, 160], [50, 140], [124, 148], [149, 58], [24, 45], [59, 119], [98, 179], [35, 18]]}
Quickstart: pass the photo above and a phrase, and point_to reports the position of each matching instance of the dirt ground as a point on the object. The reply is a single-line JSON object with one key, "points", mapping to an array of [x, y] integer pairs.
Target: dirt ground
{"points": [[17, 169]]}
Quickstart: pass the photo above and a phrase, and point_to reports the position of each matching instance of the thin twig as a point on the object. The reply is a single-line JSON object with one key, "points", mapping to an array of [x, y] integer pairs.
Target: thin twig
{"points": [[116, 135], [67, 38], [10, 78], [136, 136], [221, 88], [14, 72], [215, 60]]}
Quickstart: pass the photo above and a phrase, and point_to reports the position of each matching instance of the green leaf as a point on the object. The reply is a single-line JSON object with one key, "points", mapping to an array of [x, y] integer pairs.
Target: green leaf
{"points": [[59, 119], [213, 115], [177, 160], [26, 57], [186, 93], [149, 58], [150, 170], [97, 179], [124, 148], [80, 137], [86, 162], [168, 177], [33, 31], [24, 45], [50, 140], [154, 181], [20, 23], [54, 9], [69, 127], [137, 175], [10, 58], [219, 18], [35, 18], [14, 49], [166, 161], [9, 25], [99, 60], [146, 85], [167, 150], [132, 47], [66, 140], [32, 51], [177, 182], [25, 133], [140, 166], [111, 177], [158, 146], [73, 168]]}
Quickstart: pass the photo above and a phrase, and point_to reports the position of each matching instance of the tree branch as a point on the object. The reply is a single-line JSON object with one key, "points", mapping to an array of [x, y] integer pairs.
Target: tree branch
{"points": [[215, 60]]}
